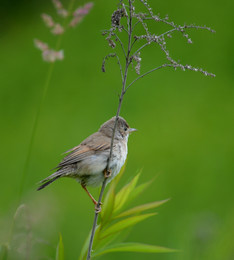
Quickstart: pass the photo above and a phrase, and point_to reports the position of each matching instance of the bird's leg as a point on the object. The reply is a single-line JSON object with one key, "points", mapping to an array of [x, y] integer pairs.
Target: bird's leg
{"points": [[97, 207], [91, 197], [107, 173]]}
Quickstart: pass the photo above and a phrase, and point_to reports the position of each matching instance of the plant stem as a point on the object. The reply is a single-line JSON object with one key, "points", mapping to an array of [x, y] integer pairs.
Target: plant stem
{"points": [[33, 134], [127, 63], [148, 72], [37, 115]]}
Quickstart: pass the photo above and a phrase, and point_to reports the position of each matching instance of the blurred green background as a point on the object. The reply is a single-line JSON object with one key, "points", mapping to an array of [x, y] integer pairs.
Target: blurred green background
{"points": [[185, 122]]}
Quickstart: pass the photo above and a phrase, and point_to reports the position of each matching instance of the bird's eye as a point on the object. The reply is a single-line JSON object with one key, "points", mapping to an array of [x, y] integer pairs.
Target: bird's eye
{"points": [[125, 129]]}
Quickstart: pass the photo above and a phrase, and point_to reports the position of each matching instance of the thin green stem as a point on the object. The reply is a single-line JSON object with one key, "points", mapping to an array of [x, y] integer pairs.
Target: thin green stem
{"points": [[33, 134], [34, 128], [38, 113]]}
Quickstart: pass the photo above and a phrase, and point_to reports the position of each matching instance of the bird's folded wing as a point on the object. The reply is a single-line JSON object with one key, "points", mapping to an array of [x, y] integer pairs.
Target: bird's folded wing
{"points": [[88, 147]]}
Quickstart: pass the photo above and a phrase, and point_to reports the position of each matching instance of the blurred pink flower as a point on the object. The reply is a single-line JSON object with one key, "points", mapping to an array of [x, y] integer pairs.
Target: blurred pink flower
{"points": [[48, 20], [58, 29], [80, 13], [59, 7], [52, 55], [48, 54], [41, 45]]}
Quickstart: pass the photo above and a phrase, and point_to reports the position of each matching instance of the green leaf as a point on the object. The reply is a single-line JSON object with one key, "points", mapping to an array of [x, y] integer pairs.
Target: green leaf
{"points": [[139, 209], [138, 190], [108, 205], [85, 247], [60, 249], [96, 239], [134, 247], [3, 252], [104, 242], [123, 194], [123, 224], [109, 201]]}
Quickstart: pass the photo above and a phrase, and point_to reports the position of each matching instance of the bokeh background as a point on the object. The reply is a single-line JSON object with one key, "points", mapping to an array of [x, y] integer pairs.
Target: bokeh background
{"points": [[185, 137]]}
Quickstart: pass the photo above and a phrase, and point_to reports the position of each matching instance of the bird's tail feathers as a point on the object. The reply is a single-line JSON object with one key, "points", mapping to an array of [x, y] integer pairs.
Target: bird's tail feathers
{"points": [[47, 182], [53, 177]]}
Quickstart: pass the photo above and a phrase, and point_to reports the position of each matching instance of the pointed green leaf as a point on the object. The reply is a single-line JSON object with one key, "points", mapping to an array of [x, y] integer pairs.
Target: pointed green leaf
{"points": [[3, 252], [123, 194], [96, 239], [109, 201], [139, 209], [138, 190], [104, 242], [118, 237], [85, 247], [134, 247], [108, 205], [123, 224], [60, 249]]}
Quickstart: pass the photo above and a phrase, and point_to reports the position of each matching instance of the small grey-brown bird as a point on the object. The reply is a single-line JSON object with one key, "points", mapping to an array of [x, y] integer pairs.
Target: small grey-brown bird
{"points": [[87, 162]]}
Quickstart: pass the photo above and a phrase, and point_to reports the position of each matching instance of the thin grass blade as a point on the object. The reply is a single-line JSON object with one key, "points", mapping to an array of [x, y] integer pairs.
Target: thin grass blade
{"points": [[85, 247], [138, 191], [60, 249], [134, 247], [123, 224], [3, 252], [139, 209], [108, 205], [123, 195]]}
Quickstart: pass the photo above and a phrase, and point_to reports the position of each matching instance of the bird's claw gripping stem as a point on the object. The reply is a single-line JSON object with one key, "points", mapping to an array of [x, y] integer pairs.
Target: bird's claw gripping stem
{"points": [[98, 208], [107, 173]]}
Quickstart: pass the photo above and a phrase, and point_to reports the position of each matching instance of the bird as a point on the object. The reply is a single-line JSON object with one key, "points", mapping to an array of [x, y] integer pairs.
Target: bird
{"points": [[87, 162]]}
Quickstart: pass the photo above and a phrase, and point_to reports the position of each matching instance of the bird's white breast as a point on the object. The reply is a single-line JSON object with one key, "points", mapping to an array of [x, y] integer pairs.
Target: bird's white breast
{"points": [[119, 158], [96, 165]]}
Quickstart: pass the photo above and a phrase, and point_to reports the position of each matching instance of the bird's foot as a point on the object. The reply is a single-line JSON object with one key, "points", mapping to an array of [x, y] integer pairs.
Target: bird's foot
{"points": [[98, 208], [107, 173]]}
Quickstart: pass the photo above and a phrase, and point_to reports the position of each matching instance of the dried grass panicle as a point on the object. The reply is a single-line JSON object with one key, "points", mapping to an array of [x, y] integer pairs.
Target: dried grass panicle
{"points": [[148, 38], [137, 59]]}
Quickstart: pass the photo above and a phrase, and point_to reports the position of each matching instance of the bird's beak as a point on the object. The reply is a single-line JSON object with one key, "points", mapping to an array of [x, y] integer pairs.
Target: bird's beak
{"points": [[130, 130]]}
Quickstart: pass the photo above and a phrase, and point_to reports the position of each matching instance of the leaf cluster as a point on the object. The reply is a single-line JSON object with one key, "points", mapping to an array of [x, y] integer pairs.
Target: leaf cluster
{"points": [[117, 219]]}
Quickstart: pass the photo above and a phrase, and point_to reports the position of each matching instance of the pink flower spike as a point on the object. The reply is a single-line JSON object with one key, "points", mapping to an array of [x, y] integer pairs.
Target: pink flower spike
{"points": [[88, 5], [80, 13], [57, 4], [75, 21], [59, 7], [48, 20], [58, 29], [63, 12], [52, 55], [59, 55], [41, 45], [48, 55]]}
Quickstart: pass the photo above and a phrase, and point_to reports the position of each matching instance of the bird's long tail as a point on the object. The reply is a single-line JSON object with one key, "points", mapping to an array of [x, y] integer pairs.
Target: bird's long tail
{"points": [[47, 181], [62, 172]]}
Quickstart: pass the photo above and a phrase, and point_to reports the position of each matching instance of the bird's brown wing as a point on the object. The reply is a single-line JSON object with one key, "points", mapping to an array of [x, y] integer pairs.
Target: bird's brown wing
{"points": [[93, 144]]}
